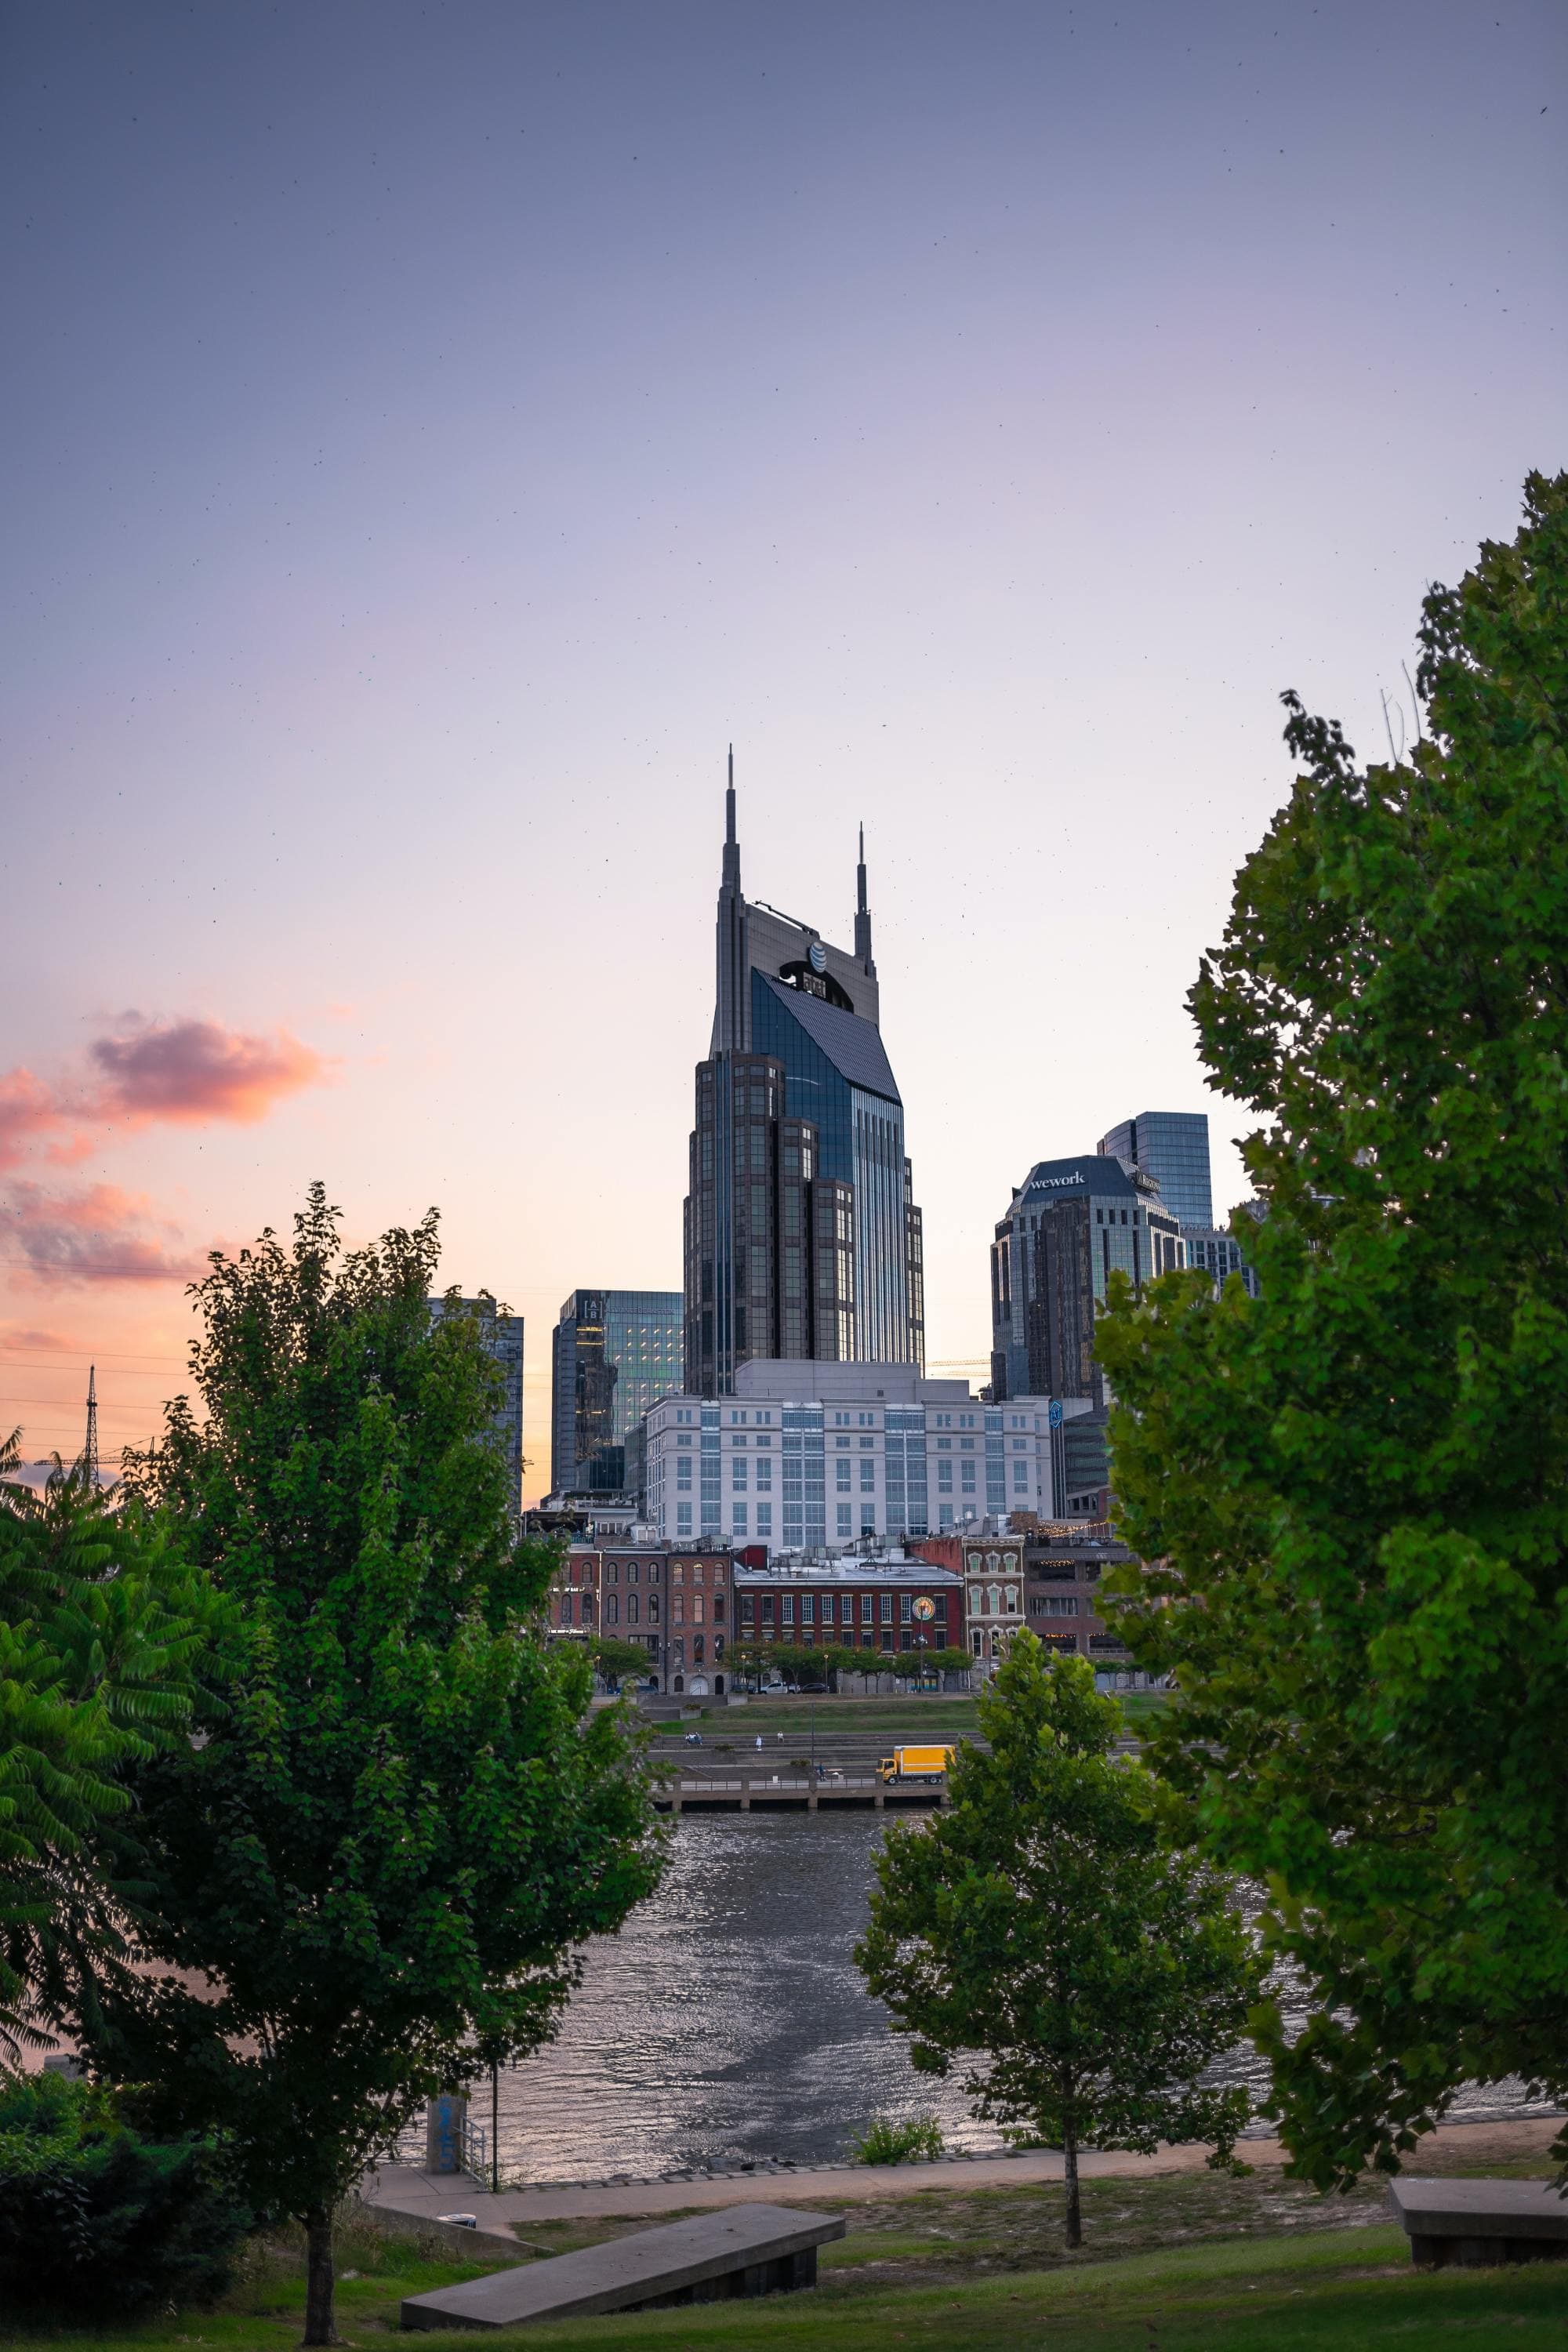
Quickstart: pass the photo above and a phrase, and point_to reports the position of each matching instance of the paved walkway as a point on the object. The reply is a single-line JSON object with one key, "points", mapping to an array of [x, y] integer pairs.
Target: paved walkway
{"points": [[405, 2190]]}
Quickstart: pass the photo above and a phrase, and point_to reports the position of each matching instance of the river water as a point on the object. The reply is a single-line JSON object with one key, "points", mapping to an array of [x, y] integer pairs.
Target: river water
{"points": [[727, 2022]]}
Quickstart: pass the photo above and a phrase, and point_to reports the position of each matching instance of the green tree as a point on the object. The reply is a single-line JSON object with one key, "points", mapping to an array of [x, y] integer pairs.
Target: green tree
{"points": [[617, 1661], [372, 1871], [1356, 1487], [103, 1631], [1040, 1928]]}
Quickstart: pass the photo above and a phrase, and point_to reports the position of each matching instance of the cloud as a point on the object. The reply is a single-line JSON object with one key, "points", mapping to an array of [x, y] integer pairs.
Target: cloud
{"points": [[181, 1071], [195, 1070], [99, 1233], [28, 1112]]}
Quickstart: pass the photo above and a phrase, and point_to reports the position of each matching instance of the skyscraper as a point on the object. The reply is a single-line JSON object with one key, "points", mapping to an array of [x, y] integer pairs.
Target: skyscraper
{"points": [[614, 1353], [502, 1336], [1071, 1224], [1171, 1146], [802, 1239]]}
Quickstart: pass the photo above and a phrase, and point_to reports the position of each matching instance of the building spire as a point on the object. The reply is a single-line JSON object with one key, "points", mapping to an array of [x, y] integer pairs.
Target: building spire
{"points": [[863, 916], [732, 872]]}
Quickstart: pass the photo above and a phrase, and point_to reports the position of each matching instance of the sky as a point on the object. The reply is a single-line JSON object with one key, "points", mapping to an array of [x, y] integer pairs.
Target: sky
{"points": [[434, 434]]}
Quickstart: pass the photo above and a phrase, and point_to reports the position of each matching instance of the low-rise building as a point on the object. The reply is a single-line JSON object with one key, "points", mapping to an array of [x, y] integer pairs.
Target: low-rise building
{"points": [[890, 1601], [674, 1602], [991, 1568], [1062, 1569]]}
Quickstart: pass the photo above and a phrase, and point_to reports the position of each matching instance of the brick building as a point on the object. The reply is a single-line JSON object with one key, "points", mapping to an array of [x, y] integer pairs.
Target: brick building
{"points": [[674, 1602], [879, 1603]]}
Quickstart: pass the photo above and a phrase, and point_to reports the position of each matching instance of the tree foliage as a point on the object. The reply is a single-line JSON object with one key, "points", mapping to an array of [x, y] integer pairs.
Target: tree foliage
{"points": [[616, 1661], [1038, 1928], [95, 2220], [103, 1632], [1357, 1485], [377, 1863]]}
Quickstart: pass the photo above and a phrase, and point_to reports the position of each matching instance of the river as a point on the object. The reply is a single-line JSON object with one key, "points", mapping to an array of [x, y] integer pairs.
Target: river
{"points": [[727, 2022]]}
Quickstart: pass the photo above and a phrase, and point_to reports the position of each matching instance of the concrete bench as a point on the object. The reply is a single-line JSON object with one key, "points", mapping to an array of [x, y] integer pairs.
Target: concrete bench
{"points": [[743, 2250], [1477, 2222]]}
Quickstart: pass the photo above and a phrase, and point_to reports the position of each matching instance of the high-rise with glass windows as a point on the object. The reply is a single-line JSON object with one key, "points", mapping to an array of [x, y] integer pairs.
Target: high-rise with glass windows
{"points": [[802, 1239], [1072, 1224], [615, 1353], [1171, 1146]]}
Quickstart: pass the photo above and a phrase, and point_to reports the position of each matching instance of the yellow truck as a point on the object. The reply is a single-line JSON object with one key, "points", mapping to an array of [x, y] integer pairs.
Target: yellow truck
{"points": [[915, 1764]]}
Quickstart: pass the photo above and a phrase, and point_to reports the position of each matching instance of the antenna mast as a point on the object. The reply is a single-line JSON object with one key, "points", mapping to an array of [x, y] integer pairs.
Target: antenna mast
{"points": [[89, 1450]]}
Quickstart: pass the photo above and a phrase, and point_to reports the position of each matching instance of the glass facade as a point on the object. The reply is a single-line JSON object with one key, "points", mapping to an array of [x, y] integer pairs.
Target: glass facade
{"points": [[1072, 1225], [1171, 1146], [859, 1133], [502, 1336], [615, 1352]]}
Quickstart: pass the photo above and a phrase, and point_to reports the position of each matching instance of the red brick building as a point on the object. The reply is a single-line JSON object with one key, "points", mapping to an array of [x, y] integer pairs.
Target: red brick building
{"points": [[674, 1602]]}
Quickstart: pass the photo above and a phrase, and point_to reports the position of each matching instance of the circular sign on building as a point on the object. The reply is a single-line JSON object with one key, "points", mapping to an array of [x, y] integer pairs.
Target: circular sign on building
{"points": [[925, 1610], [816, 956]]}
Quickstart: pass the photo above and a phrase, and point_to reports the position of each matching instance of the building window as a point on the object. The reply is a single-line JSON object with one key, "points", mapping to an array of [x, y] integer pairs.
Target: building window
{"points": [[867, 1602], [767, 1608], [886, 1602], [612, 1609], [867, 1518], [738, 1513], [827, 1607], [868, 1478], [1012, 1600], [631, 1609], [765, 1518], [906, 1608], [841, 1480], [788, 1608], [807, 1608], [844, 1510], [653, 1609]]}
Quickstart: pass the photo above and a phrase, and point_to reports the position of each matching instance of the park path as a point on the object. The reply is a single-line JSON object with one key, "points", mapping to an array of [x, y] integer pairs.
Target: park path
{"points": [[402, 2190]]}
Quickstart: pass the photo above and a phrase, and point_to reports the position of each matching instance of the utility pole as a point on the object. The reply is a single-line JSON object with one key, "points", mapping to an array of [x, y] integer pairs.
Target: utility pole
{"points": [[90, 1449]]}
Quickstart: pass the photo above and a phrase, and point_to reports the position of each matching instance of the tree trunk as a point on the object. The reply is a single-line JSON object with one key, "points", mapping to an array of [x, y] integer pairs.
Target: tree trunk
{"points": [[320, 2319], [1074, 2221]]}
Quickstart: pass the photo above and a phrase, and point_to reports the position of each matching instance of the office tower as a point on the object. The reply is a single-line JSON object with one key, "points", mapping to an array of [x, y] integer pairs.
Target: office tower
{"points": [[800, 1455], [614, 1353], [502, 1335], [1171, 1146], [1070, 1226], [802, 1239]]}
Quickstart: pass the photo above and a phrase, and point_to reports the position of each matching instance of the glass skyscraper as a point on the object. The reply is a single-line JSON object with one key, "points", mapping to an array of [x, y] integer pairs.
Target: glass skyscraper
{"points": [[1072, 1224], [502, 1336], [1171, 1146], [615, 1353], [802, 1239]]}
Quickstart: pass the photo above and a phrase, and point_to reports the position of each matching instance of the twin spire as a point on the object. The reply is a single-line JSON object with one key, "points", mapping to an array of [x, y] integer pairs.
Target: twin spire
{"points": [[731, 874]]}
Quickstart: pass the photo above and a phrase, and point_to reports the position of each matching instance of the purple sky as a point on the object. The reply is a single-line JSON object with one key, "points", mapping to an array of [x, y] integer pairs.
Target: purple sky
{"points": [[433, 432]]}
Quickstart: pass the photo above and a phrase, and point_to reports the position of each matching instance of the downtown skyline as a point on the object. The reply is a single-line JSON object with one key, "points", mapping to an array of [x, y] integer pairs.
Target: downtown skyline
{"points": [[428, 453]]}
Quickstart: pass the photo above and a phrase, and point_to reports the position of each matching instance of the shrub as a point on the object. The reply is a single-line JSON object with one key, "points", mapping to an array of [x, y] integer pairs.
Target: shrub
{"points": [[899, 2139], [95, 2218]]}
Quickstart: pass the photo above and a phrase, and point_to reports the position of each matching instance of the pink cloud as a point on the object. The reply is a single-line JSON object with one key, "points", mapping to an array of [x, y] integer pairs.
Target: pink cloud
{"points": [[194, 1070], [27, 1113], [182, 1071], [99, 1234]]}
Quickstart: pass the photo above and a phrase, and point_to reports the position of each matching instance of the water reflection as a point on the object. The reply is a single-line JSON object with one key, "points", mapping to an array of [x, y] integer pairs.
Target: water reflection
{"points": [[727, 2020]]}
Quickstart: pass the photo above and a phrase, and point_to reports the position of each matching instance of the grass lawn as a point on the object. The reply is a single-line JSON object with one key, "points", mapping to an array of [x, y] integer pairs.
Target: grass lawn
{"points": [[898, 1718], [1177, 2263]]}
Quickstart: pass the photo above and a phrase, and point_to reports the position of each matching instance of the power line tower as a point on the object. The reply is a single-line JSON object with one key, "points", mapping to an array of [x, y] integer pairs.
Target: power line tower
{"points": [[89, 1450]]}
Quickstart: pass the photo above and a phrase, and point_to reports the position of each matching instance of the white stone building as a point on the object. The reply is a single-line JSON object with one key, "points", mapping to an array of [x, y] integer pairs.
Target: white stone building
{"points": [[807, 1454]]}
